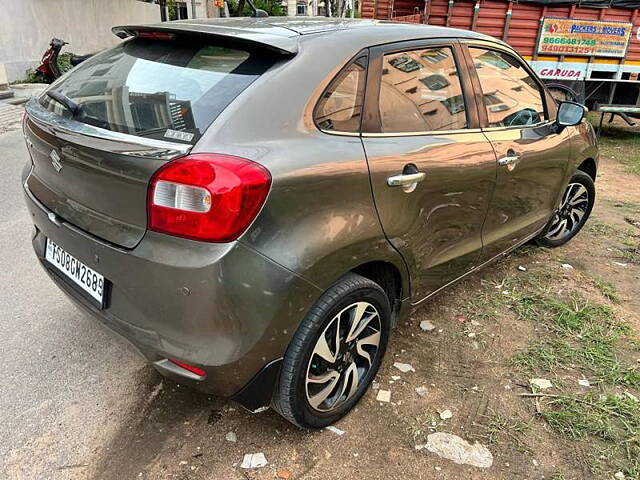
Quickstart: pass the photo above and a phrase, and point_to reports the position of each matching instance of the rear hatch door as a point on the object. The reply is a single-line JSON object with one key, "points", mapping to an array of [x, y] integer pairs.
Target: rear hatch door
{"points": [[141, 104]]}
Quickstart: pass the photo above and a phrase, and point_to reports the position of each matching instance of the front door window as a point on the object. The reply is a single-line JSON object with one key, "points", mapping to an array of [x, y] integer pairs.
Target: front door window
{"points": [[511, 96]]}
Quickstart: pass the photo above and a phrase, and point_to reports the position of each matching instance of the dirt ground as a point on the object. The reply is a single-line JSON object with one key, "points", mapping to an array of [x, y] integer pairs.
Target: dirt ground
{"points": [[476, 363]]}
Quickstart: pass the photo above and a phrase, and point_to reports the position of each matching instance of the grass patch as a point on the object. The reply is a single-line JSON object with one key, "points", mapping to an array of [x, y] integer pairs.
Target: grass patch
{"points": [[614, 419], [496, 296], [422, 425], [620, 143], [499, 296], [633, 222], [497, 428], [575, 338], [600, 229], [623, 146], [484, 306], [632, 207], [630, 253], [607, 289], [583, 337], [576, 334], [557, 476]]}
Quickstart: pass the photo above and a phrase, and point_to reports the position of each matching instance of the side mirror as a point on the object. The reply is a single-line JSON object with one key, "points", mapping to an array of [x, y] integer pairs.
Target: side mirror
{"points": [[570, 113]]}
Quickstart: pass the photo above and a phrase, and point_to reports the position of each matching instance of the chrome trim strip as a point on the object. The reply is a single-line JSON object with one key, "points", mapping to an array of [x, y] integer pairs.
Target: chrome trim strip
{"points": [[418, 134], [518, 127], [402, 134], [339, 134], [488, 42], [115, 142]]}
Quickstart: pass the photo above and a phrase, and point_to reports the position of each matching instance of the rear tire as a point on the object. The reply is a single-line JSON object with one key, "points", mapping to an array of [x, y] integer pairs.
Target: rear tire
{"points": [[574, 210], [320, 383]]}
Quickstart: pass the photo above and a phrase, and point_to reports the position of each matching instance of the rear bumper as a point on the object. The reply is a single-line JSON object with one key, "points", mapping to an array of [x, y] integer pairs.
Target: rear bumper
{"points": [[224, 308]]}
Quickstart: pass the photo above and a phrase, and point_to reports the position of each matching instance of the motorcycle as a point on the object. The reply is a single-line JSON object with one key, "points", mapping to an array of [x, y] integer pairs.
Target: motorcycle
{"points": [[50, 69]]}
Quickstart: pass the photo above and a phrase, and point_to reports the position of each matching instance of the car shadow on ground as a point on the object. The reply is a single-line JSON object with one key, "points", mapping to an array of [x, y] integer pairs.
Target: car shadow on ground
{"points": [[168, 418]]}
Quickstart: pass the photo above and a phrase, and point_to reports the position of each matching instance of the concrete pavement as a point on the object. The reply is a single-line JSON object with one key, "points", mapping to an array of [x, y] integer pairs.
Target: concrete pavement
{"points": [[66, 381], [10, 118], [77, 401]]}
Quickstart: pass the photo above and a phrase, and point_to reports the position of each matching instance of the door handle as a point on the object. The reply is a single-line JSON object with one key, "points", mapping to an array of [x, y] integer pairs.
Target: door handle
{"points": [[508, 160], [406, 179]]}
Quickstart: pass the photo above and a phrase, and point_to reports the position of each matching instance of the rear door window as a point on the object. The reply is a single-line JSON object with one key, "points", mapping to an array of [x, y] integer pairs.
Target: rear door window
{"points": [[168, 90], [420, 91]]}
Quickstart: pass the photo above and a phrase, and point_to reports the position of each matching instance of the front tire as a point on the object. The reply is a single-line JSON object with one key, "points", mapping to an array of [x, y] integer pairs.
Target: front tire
{"points": [[335, 353], [574, 210]]}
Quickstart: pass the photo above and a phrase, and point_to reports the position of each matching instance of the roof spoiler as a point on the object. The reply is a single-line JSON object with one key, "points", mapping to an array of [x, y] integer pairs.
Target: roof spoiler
{"points": [[275, 43]]}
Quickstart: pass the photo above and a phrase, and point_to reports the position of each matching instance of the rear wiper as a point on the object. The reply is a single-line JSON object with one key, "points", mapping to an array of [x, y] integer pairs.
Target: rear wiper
{"points": [[62, 99]]}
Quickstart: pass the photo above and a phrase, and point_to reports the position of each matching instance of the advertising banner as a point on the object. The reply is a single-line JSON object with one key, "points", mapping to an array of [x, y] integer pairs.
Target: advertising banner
{"points": [[560, 70], [567, 36]]}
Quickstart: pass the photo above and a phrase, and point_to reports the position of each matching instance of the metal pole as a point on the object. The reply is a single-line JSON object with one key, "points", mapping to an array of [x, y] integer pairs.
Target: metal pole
{"points": [[507, 22], [193, 8], [163, 10], [612, 94]]}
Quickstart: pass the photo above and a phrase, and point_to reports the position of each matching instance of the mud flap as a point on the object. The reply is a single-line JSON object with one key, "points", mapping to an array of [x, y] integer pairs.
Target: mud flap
{"points": [[258, 392]]}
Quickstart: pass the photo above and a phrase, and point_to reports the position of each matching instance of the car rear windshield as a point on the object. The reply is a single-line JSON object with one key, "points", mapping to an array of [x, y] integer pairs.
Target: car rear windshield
{"points": [[168, 89]]}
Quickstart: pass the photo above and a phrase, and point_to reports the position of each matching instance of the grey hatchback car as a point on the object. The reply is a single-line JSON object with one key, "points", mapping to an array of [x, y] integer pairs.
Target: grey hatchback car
{"points": [[254, 203]]}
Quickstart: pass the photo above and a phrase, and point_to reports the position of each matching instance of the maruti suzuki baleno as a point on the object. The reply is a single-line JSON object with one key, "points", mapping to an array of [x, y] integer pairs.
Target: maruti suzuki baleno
{"points": [[255, 202]]}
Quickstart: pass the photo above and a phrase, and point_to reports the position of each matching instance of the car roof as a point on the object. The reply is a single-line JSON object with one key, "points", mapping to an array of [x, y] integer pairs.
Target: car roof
{"points": [[280, 33]]}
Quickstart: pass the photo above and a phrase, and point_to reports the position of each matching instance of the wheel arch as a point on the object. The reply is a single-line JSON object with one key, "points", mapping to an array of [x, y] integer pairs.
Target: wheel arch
{"points": [[589, 167], [375, 259], [389, 277]]}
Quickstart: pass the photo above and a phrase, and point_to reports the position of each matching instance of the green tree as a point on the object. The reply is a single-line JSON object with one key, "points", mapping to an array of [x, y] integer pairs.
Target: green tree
{"points": [[272, 7], [172, 10]]}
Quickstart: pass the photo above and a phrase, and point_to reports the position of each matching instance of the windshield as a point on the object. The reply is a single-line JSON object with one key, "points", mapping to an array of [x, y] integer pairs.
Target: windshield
{"points": [[170, 90]]}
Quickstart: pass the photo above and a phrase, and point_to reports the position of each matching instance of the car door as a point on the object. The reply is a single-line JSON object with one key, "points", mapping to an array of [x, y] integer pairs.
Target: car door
{"points": [[518, 118], [432, 170]]}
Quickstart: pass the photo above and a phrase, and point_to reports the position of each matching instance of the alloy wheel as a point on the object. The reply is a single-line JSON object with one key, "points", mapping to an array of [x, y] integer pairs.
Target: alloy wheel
{"points": [[570, 213], [343, 355]]}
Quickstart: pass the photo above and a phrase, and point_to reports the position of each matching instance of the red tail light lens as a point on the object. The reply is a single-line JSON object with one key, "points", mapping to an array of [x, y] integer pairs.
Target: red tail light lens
{"points": [[190, 368], [154, 35], [207, 197]]}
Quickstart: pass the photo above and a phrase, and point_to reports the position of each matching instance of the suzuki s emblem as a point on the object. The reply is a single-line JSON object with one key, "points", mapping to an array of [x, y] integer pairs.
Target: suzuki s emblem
{"points": [[56, 161]]}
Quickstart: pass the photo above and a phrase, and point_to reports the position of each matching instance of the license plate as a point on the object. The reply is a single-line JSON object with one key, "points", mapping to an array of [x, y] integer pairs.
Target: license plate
{"points": [[73, 269]]}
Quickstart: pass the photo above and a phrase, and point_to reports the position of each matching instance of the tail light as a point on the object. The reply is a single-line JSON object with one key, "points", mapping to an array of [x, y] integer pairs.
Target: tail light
{"points": [[190, 368], [154, 35], [207, 197]]}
